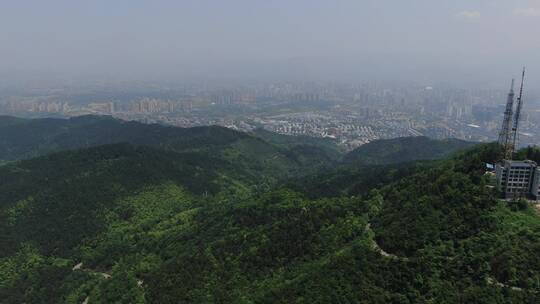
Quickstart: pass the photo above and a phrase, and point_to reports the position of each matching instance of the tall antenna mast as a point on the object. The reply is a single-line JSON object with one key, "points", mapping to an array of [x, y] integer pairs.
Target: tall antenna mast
{"points": [[504, 135], [518, 113]]}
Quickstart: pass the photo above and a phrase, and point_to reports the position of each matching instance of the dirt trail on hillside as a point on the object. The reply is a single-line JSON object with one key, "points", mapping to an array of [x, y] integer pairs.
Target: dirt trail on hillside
{"points": [[381, 251]]}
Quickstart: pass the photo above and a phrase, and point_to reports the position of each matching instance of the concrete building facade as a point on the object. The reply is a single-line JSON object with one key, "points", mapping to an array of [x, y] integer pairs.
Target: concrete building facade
{"points": [[518, 178]]}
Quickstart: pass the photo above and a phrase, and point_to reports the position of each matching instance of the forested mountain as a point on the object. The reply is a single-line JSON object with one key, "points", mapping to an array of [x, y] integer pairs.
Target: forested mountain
{"points": [[132, 223], [375, 164], [26, 138], [404, 149], [21, 139]]}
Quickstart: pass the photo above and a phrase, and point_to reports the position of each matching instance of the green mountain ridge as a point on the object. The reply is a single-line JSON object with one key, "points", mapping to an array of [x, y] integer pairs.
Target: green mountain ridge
{"points": [[73, 185], [136, 223], [375, 164], [404, 149], [24, 139], [29, 138]]}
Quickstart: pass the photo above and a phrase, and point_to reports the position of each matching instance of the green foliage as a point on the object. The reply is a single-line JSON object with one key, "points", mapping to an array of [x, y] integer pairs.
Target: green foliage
{"points": [[438, 195], [405, 149], [30, 277], [350, 179], [238, 245], [257, 158], [168, 225], [304, 149], [531, 153], [63, 192]]}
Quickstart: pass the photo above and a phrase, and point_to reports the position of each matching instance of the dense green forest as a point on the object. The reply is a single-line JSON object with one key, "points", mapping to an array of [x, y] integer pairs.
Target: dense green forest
{"points": [[405, 149], [25, 138], [266, 156], [188, 219]]}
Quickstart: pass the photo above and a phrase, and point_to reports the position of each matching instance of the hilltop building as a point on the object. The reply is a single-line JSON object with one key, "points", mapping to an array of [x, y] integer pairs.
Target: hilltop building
{"points": [[518, 178], [515, 178]]}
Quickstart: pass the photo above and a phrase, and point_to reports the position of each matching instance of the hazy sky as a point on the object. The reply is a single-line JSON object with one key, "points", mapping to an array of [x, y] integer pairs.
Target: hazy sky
{"points": [[425, 40]]}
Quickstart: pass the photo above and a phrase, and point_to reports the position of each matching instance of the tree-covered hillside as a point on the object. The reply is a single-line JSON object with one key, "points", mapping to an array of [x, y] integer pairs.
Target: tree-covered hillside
{"points": [[404, 149], [307, 149], [133, 224], [62, 195], [21, 139]]}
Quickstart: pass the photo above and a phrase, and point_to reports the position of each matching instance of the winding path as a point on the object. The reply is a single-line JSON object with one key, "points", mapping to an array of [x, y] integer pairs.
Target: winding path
{"points": [[378, 248]]}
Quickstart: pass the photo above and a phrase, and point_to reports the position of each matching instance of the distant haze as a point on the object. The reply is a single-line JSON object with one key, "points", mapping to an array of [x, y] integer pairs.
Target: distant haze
{"points": [[457, 41]]}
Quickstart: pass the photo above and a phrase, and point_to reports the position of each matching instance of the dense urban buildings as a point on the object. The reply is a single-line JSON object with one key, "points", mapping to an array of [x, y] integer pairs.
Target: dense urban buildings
{"points": [[351, 114]]}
